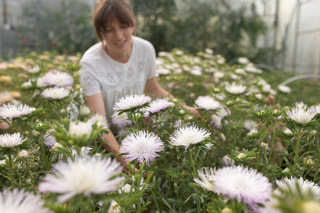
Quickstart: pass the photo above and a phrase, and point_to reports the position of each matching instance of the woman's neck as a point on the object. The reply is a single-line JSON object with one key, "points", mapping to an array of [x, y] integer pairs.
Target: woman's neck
{"points": [[121, 56]]}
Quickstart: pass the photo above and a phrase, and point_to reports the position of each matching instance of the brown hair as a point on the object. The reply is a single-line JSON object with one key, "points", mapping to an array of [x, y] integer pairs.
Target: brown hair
{"points": [[106, 11]]}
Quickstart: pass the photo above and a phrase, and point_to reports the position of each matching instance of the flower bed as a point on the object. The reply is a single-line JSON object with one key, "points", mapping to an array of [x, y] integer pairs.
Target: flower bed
{"points": [[246, 153]]}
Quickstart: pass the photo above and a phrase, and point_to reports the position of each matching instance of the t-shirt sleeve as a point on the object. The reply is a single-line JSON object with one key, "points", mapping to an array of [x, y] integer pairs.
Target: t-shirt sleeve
{"points": [[152, 63], [88, 81]]}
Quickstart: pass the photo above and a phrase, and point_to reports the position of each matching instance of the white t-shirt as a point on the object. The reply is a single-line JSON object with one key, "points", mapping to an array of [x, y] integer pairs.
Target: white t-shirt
{"points": [[99, 73]]}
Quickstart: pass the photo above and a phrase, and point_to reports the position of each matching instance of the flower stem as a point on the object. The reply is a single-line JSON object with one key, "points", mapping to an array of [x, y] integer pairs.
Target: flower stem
{"points": [[11, 170], [296, 152]]}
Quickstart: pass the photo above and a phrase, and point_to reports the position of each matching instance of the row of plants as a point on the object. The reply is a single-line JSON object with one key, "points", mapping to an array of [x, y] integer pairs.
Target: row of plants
{"points": [[66, 26], [247, 152]]}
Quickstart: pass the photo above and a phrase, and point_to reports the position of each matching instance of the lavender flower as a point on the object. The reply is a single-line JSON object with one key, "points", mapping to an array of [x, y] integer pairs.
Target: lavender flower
{"points": [[157, 106], [49, 140], [141, 146], [85, 175]]}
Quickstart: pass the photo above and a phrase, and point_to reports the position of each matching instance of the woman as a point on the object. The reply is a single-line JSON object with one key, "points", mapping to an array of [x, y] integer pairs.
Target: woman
{"points": [[120, 64]]}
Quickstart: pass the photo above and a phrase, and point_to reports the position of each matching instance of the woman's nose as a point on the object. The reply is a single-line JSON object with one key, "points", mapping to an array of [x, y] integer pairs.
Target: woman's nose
{"points": [[118, 34]]}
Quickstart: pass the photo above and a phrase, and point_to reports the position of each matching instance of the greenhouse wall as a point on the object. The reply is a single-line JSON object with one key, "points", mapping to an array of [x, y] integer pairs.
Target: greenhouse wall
{"points": [[299, 35]]}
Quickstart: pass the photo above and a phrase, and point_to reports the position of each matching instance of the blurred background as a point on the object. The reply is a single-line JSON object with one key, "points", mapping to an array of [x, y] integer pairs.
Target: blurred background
{"points": [[274, 34]]}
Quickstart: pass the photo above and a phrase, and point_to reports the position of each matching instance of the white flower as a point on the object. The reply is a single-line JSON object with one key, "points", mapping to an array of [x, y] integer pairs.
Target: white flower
{"points": [[315, 109], [131, 101], [243, 60], [26, 84], [114, 207], [84, 110], [55, 93], [287, 131], [99, 119], [301, 115], [157, 106], [20, 201], [196, 70], [80, 129], [284, 88], [250, 124], [11, 140], [252, 132], [207, 103], [41, 83], [206, 178], [141, 146], [33, 69], [58, 79], [240, 71], [22, 154], [120, 120], [305, 185], [85, 175], [9, 111], [185, 136], [235, 88], [218, 74], [244, 184]]}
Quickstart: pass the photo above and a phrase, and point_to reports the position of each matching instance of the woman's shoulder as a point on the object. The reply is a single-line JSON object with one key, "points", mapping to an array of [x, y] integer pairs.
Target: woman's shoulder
{"points": [[140, 42], [93, 53]]}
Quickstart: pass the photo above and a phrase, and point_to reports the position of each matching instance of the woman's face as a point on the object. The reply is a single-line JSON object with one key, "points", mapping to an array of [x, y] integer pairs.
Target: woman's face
{"points": [[118, 37]]}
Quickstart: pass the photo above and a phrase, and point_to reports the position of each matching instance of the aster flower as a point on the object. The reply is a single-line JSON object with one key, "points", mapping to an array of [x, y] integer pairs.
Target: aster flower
{"points": [[121, 120], [157, 106], [315, 109], [235, 88], [33, 69], [243, 60], [250, 124], [305, 185], [85, 175], [58, 79], [185, 136], [11, 140], [284, 88], [141, 146], [227, 161], [80, 129], [9, 111], [99, 120], [244, 184], [131, 101], [206, 179], [49, 140], [301, 115], [55, 93], [20, 201], [207, 103]]}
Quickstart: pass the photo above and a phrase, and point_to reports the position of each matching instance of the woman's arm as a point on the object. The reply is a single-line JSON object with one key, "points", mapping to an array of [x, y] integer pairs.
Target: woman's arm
{"points": [[95, 103], [154, 89]]}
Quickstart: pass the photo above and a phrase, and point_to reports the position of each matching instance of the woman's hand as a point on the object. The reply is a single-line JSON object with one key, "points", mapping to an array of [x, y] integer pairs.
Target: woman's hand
{"points": [[193, 110]]}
